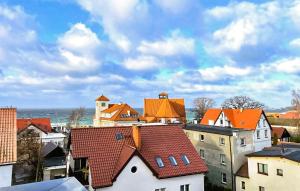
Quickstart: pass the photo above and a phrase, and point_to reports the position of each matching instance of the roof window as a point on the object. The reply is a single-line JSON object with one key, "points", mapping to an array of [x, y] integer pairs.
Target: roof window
{"points": [[119, 136], [185, 160], [173, 160], [159, 162]]}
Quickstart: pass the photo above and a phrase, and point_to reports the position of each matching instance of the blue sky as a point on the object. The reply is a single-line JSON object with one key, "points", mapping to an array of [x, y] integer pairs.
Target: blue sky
{"points": [[65, 53]]}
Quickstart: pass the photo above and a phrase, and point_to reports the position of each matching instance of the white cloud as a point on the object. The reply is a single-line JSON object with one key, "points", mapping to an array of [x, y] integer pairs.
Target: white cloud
{"points": [[286, 65], [142, 63], [251, 24], [174, 45], [112, 14], [174, 6], [294, 13], [295, 42], [219, 73]]}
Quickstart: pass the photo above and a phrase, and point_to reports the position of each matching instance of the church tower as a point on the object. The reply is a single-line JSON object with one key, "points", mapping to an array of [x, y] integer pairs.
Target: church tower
{"points": [[101, 104]]}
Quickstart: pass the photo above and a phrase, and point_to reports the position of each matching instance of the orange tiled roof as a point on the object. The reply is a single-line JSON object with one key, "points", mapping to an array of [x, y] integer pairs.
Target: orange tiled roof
{"points": [[167, 108], [245, 119], [8, 135], [102, 98], [290, 115], [121, 109], [43, 124], [108, 156]]}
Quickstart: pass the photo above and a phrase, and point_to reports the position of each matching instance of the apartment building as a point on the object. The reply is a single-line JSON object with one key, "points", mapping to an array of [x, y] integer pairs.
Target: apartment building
{"points": [[222, 149], [274, 168]]}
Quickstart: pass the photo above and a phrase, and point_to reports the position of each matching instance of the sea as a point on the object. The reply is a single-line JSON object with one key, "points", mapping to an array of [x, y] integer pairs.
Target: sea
{"points": [[62, 115]]}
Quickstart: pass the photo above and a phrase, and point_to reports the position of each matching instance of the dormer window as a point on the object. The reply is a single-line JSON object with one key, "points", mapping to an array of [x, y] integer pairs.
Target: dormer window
{"points": [[185, 160], [173, 160], [119, 136], [159, 162]]}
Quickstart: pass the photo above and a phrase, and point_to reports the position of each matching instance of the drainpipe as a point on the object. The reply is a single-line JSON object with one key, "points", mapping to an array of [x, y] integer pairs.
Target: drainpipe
{"points": [[231, 168]]}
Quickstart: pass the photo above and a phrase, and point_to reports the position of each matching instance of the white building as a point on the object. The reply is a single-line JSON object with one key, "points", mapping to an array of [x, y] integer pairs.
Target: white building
{"points": [[8, 144], [148, 158], [274, 168], [251, 119], [120, 114]]}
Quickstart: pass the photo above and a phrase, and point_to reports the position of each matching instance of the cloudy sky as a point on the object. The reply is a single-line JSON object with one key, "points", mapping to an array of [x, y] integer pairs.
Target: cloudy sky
{"points": [[65, 53]]}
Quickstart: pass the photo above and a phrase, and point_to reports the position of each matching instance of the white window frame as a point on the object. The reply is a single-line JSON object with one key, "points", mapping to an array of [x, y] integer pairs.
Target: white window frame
{"points": [[243, 185], [200, 137], [222, 142], [266, 133], [258, 134], [222, 178], [223, 159], [202, 153], [243, 142]]}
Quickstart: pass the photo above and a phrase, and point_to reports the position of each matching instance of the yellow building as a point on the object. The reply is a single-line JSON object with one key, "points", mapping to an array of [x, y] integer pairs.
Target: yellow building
{"points": [[274, 168]]}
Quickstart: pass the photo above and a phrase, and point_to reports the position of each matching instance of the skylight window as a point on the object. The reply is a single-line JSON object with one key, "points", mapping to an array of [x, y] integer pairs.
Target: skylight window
{"points": [[173, 160], [119, 136], [159, 162], [185, 160]]}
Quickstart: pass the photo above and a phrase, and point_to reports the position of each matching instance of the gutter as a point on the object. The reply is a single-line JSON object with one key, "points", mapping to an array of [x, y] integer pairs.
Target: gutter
{"points": [[231, 168]]}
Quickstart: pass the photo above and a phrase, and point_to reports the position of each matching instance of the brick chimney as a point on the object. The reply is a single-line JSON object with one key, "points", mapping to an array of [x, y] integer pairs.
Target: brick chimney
{"points": [[136, 134]]}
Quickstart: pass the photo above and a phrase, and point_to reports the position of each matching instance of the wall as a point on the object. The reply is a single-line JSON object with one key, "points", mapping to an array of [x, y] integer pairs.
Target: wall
{"points": [[263, 141], [212, 150], [288, 182], [143, 180], [5, 175]]}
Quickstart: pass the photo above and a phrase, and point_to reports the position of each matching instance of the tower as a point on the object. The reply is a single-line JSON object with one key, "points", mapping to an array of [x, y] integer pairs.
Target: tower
{"points": [[101, 104]]}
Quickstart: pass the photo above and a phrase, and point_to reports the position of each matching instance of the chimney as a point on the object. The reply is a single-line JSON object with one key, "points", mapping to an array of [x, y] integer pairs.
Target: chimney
{"points": [[136, 134]]}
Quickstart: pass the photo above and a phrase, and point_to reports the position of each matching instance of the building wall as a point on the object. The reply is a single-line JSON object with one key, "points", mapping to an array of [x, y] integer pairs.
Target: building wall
{"points": [[213, 149], [288, 182], [50, 173], [5, 175], [143, 180], [263, 141]]}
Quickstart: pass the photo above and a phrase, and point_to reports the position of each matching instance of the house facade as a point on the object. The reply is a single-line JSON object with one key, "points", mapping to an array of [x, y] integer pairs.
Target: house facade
{"points": [[281, 133], [275, 168], [164, 110], [223, 150], [136, 158], [8, 145], [107, 114], [251, 119]]}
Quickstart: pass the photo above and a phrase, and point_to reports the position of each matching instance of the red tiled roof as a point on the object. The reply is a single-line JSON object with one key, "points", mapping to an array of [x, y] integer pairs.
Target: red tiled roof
{"points": [[245, 119], [102, 98], [108, 156], [280, 132], [8, 135], [43, 124], [290, 115], [243, 171]]}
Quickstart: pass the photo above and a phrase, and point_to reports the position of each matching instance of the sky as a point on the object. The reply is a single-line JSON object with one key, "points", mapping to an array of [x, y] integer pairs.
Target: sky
{"points": [[59, 54]]}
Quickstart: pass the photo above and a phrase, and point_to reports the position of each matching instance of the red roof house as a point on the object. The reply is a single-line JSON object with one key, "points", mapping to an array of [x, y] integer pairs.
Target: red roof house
{"points": [[43, 124], [164, 150]]}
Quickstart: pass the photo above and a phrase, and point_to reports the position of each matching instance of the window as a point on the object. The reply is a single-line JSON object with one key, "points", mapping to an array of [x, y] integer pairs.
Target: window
{"points": [[185, 160], [185, 187], [173, 160], [224, 179], [264, 123], [222, 141], [222, 159], [202, 154], [201, 137], [103, 104], [266, 133], [257, 134], [243, 142], [261, 188], [119, 136], [133, 169], [160, 189], [279, 172], [159, 162], [243, 185], [221, 121], [262, 168]]}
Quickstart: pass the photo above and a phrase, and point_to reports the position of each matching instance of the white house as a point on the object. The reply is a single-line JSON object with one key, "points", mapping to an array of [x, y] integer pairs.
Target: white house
{"points": [[148, 158], [251, 119], [274, 168], [8, 144]]}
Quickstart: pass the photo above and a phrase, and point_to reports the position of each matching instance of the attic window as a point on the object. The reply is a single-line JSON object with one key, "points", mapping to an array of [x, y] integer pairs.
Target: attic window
{"points": [[173, 160], [185, 160], [119, 136], [159, 162]]}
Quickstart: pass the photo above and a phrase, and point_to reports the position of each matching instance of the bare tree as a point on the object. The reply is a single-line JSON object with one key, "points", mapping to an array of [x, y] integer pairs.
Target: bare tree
{"points": [[75, 116], [242, 102], [296, 105], [201, 105]]}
